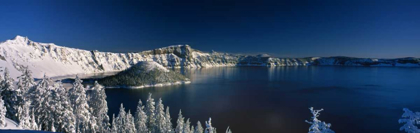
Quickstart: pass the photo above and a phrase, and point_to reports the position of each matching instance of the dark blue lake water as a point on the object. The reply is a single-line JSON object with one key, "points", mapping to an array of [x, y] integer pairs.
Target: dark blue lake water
{"points": [[273, 100]]}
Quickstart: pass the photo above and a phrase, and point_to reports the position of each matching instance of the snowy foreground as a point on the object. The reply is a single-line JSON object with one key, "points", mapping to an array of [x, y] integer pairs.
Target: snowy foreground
{"points": [[48, 106], [54, 60], [10, 124]]}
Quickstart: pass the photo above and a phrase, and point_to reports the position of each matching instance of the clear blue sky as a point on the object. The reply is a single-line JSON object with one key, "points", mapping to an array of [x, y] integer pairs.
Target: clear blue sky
{"points": [[292, 28]]}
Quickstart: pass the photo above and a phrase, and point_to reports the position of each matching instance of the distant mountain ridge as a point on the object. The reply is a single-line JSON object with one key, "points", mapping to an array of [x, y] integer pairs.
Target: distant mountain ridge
{"points": [[54, 60]]}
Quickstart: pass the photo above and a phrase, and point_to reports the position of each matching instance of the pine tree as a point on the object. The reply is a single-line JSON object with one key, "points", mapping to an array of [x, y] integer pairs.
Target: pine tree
{"points": [[129, 123], [62, 109], [24, 84], [27, 79], [168, 121], [209, 127], [160, 118], [25, 117], [228, 130], [199, 128], [411, 121], [34, 125], [179, 123], [98, 107], [10, 96], [1, 84], [187, 128], [85, 122], [318, 126], [121, 120], [40, 96], [150, 112], [114, 128], [21, 100], [141, 119], [2, 113]]}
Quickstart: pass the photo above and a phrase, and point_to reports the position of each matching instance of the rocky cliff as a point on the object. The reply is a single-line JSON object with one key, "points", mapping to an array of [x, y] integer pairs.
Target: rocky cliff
{"points": [[53, 60]]}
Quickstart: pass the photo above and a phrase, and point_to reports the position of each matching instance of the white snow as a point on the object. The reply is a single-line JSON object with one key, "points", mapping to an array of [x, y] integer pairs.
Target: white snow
{"points": [[10, 124], [53, 60], [151, 65]]}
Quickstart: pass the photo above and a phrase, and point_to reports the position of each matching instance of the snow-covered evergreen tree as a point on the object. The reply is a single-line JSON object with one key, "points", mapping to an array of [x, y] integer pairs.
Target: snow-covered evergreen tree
{"points": [[160, 126], [114, 128], [199, 128], [27, 79], [24, 84], [27, 82], [34, 125], [10, 96], [318, 126], [120, 121], [150, 112], [85, 122], [179, 123], [98, 107], [124, 123], [411, 121], [141, 119], [168, 122], [24, 116], [62, 109], [209, 127], [1, 84], [129, 123], [21, 100], [228, 130], [2, 113], [187, 127], [40, 96]]}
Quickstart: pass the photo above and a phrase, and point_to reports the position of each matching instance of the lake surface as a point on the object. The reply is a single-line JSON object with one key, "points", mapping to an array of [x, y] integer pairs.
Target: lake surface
{"points": [[276, 99]]}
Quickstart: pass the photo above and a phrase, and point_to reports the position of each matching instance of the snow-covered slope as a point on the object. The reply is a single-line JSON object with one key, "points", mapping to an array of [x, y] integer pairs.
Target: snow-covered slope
{"points": [[10, 125], [53, 60]]}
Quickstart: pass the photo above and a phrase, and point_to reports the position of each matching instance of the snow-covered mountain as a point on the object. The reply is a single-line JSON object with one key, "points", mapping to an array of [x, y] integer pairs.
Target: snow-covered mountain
{"points": [[53, 60]]}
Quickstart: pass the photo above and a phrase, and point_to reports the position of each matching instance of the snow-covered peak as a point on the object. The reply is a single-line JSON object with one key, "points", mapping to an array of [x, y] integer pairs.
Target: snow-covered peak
{"points": [[19, 37], [263, 55], [172, 46], [16, 41]]}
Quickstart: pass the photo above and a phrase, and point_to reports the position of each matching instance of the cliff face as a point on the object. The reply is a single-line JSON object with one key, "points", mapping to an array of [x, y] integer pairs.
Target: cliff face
{"points": [[53, 60]]}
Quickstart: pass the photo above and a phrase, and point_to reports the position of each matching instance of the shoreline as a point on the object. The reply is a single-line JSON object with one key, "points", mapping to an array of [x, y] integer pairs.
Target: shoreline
{"points": [[148, 86]]}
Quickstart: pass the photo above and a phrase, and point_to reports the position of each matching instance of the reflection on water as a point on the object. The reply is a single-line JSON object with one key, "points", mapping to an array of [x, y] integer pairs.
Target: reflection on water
{"points": [[276, 99]]}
